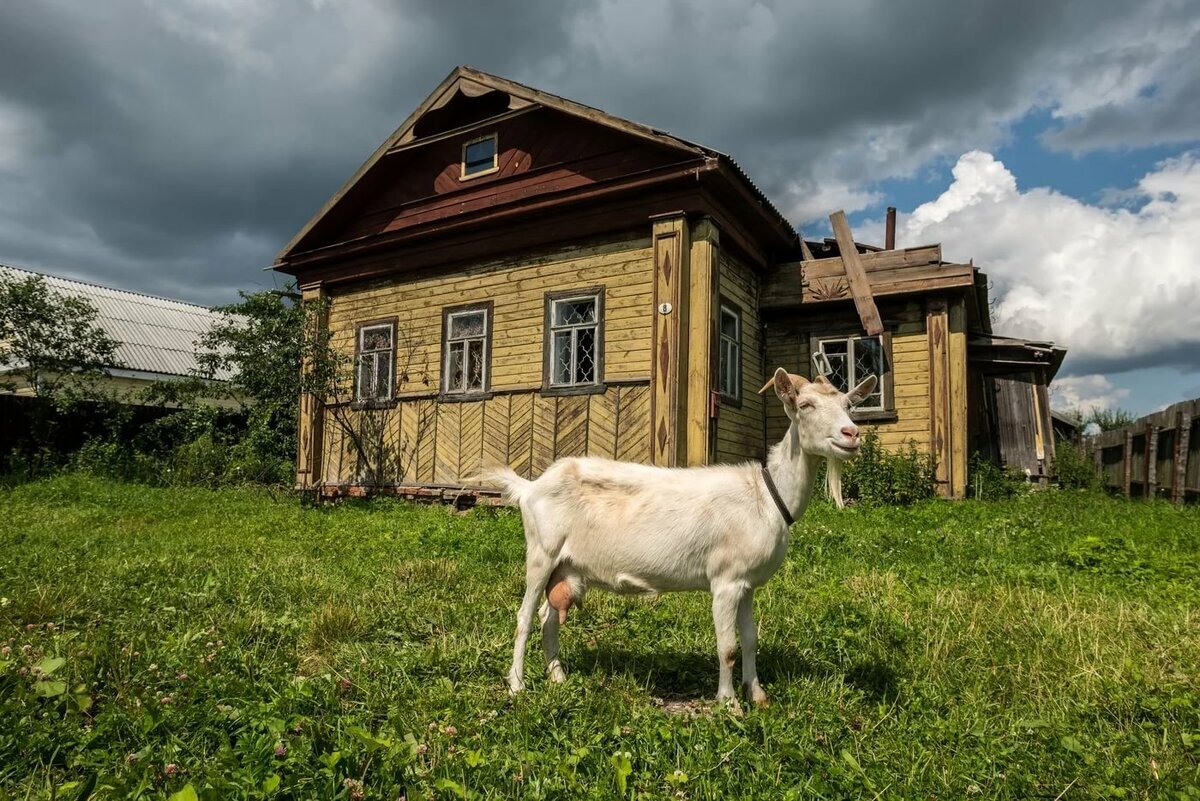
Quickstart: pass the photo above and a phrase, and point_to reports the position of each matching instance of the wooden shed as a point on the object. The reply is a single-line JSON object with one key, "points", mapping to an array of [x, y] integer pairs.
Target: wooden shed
{"points": [[519, 277]]}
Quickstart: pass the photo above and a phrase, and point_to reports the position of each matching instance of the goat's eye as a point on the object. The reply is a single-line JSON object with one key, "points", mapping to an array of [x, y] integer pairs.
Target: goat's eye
{"points": [[806, 405]]}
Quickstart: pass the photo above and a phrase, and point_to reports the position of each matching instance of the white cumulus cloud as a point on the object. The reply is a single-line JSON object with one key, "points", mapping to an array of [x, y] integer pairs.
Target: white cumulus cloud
{"points": [[1118, 286]]}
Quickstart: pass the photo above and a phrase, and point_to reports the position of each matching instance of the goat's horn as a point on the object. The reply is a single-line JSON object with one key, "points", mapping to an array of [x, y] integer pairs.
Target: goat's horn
{"points": [[770, 383]]}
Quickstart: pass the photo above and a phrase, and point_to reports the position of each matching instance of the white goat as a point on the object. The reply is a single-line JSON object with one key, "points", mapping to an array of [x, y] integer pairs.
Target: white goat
{"points": [[632, 528]]}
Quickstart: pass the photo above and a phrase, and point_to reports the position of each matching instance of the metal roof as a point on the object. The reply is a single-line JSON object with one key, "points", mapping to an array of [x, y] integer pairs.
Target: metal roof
{"points": [[154, 335]]}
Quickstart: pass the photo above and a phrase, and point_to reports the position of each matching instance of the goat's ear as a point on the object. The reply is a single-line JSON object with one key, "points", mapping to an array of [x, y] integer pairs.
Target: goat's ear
{"points": [[864, 388], [779, 381]]}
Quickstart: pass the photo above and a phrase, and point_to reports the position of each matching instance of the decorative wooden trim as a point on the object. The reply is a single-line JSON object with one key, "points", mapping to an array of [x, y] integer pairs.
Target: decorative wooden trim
{"points": [[485, 306], [937, 325], [667, 407], [598, 385], [702, 338]]}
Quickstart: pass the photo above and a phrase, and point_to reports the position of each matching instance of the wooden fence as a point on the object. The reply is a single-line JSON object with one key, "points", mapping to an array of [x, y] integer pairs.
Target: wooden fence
{"points": [[1157, 456]]}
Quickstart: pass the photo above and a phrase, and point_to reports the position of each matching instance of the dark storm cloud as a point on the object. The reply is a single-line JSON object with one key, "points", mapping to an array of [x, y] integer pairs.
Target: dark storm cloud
{"points": [[175, 147]]}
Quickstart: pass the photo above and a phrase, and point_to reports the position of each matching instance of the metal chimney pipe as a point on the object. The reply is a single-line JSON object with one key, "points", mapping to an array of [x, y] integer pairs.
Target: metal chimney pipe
{"points": [[889, 242]]}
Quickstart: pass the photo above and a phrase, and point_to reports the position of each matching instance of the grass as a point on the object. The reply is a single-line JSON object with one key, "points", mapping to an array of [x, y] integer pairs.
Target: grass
{"points": [[228, 643]]}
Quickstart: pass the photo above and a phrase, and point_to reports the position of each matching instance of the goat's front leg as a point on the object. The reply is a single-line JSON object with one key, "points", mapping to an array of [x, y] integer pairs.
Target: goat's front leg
{"points": [[537, 572], [748, 631], [725, 608]]}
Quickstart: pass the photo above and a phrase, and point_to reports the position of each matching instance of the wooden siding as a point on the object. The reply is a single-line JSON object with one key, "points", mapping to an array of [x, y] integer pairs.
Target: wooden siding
{"points": [[787, 346], [448, 443], [740, 425], [541, 152], [433, 442]]}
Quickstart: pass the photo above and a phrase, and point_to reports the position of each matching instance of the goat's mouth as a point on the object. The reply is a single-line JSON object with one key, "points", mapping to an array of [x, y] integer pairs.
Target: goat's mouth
{"points": [[844, 450]]}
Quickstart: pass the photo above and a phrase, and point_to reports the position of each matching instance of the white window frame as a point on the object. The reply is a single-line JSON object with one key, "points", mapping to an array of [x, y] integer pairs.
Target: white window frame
{"points": [[449, 343], [597, 326], [462, 171], [375, 355], [729, 379], [821, 363]]}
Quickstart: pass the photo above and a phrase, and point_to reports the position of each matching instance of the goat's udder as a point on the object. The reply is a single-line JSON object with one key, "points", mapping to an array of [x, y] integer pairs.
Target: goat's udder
{"points": [[560, 597]]}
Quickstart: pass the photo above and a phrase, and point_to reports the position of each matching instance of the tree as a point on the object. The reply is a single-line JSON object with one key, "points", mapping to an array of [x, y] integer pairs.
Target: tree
{"points": [[51, 342], [259, 343]]}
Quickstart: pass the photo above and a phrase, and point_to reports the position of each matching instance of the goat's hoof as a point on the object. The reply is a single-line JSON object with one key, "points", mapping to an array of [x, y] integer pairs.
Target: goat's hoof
{"points": [[515, 685], [731, 704], [757, 696], [557, 674]]}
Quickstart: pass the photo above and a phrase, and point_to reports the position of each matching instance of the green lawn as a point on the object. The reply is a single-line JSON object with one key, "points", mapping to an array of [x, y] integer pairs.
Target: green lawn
{"points": [[235, 644]]}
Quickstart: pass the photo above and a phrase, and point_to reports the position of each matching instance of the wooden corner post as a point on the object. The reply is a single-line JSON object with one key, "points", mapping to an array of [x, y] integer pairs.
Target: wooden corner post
{"points": [[700, 350], [310, 431], [957, 384], [937, 324], [668, 364]]}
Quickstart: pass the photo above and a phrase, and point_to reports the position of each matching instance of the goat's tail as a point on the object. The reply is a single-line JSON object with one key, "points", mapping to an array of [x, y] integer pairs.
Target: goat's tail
{"points": [[512, 486]]}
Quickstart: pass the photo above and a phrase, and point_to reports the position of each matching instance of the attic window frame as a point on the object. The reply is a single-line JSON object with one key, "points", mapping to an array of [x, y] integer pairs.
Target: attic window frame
{"points": [[462, 167]]}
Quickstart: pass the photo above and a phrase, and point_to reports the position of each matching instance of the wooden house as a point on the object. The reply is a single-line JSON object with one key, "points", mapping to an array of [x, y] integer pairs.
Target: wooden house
{"points": [[518, 277]]}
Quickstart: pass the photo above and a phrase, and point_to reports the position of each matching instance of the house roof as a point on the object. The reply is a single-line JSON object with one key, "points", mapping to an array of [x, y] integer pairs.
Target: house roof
{"points": [[155, 335], [468, 81]]}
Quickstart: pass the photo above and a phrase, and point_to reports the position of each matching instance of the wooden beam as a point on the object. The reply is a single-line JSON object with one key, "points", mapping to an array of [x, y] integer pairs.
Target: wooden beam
{"points": [[703, 274], [310, 429], [804, 251], [860, 287], [957, 381], [879, 260], [1129, 462], [1183, 436], [1151, 488], [937, 324]]}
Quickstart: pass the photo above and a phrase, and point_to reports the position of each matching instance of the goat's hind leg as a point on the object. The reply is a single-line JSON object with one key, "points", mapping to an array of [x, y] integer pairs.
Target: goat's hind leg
{"points": [[537, 572], [749, 635], [550, 624]]}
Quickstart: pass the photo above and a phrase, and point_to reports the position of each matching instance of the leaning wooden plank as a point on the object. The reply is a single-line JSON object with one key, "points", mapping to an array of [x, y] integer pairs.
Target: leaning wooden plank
{"points": [[860, 287]]}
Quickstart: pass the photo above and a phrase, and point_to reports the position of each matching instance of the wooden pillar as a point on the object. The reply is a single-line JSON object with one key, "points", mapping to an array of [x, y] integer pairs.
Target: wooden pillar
{"points": [[1151, 487], [937, 324], [1098, 457], [1129, 462], [703, 274], [310, 431], [958, 397], [1183, 441], [668, 391]]}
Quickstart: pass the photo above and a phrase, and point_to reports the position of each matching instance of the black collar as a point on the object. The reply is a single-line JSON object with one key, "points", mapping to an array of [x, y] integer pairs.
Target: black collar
{"points": [[783, 510]]}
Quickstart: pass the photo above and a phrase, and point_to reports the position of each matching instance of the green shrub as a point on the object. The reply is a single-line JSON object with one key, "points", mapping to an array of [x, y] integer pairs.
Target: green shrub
{"points": [[112, 459], [1073, 467], [879, 476], [988, 482]]}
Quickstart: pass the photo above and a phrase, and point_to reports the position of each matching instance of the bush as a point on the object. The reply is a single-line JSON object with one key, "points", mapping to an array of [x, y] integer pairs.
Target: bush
{"points": [[988, 482], [879, 476], [1073, 468]]}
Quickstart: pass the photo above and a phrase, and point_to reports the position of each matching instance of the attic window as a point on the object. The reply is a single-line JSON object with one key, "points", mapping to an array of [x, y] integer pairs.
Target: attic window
{"points": [[479, 157]]}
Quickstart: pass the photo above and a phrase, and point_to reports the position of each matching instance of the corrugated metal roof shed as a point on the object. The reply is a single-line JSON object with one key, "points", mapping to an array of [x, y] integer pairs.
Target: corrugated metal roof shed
{"points": [[155, 335]]}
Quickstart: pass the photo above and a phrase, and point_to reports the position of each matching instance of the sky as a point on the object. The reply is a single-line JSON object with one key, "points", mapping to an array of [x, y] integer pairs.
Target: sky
{"points": [[174, 147]]}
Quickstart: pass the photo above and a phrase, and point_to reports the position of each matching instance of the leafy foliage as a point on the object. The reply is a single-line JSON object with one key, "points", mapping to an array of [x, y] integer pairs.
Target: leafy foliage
{"points": [[1109, 419], [51, 340], [1073, 468], [989, 482], [220, 644], [880, 476]]}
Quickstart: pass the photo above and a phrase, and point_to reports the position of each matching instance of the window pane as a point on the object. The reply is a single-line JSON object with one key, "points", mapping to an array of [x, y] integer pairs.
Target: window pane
{"points": [[366, 377], [585, 356], [723, 368], [479, 156], [469, 324], [734, 368], [729, 324], [560, 356], [475, 364], [377, 338], [868, 358], [454, 368], [835, 352], [383, 376], [574, 312]]}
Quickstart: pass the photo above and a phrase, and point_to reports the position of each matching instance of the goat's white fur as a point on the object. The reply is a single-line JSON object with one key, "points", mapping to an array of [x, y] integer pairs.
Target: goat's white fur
{"points": [[632, 528]]}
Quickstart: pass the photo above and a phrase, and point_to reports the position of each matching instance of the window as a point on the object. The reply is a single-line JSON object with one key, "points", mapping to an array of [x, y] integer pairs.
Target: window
{"points": [[479, 157], [729, 354], [466, 349], [375, 361], [574, 333], [846, 361]]}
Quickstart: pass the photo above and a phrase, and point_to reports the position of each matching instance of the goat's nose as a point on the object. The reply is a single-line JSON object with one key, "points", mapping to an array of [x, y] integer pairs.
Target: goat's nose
{"points": [[850, 431]]}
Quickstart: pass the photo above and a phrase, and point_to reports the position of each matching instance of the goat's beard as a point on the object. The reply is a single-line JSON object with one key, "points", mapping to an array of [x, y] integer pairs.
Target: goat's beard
{"points": [[833, 481]]}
